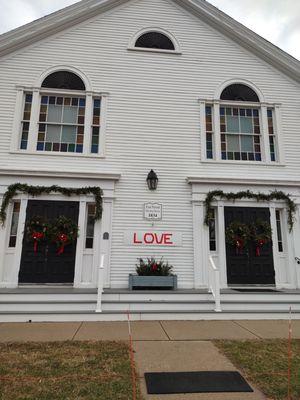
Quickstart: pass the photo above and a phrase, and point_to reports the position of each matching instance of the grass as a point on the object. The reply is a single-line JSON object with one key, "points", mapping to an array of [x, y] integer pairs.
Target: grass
{"points": [[265, 364], [65, 371]]}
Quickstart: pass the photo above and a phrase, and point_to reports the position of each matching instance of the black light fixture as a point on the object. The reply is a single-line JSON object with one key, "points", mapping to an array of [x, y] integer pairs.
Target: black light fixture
{"points": [[152, 180]]}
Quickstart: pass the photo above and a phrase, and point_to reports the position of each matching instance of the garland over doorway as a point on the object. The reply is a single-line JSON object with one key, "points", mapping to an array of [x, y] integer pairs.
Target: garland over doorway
{"points": [[259, 197], [35, 191]]}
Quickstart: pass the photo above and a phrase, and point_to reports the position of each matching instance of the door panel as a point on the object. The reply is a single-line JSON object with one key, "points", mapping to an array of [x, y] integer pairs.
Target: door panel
{"points": [[46, 266], [248, 268]]}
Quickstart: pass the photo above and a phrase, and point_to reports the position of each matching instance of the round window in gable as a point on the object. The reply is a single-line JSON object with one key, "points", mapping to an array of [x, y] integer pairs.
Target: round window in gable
{"points": [[155, 40], [64, 80]]}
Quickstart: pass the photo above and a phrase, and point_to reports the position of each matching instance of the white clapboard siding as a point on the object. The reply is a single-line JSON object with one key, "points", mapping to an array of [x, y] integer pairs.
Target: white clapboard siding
{"points": [[152, 115]]}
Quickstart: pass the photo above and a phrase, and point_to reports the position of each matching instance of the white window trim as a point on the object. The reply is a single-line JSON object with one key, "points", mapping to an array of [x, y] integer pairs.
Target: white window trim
{"points": [[134, 38], [34, 121], [265, 145]]}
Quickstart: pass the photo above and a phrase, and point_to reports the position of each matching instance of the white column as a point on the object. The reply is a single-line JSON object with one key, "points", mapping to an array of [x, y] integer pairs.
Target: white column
{"points": [[278, 275], [104, 244], [217, 132], [222, 245], [290, 251], [15, 268], [34, 121], [265, 134], [80, 242]]}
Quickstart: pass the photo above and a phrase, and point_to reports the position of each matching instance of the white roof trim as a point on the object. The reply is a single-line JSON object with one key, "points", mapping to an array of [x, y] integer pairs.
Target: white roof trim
{"points": [[79, 12]]}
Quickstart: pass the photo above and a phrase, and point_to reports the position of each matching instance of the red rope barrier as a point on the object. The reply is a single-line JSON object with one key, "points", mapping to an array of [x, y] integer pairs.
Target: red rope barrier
{"points": [[131, 359]]}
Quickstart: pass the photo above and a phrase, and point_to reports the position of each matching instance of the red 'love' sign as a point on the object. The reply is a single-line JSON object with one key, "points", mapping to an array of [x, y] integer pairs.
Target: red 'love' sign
{"points": [[148, 238]]}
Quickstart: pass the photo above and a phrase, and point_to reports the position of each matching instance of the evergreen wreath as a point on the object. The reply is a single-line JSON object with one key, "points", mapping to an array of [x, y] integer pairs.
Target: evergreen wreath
{"points": [[36, 231], [261, 234], [63, 232], [35, 191], [274, 195], [238, 235]]}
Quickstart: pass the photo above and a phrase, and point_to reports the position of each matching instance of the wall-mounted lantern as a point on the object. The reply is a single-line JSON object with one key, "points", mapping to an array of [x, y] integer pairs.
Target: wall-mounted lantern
{"points": [[152, 180]]}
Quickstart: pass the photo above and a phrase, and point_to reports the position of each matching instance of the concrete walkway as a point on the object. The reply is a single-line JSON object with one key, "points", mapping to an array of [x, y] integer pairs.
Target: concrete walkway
{"points": [[148, 330], [162, 346]]}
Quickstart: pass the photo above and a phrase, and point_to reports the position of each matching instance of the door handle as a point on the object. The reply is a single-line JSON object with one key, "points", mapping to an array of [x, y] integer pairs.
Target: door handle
{"points": [[297, 259]]}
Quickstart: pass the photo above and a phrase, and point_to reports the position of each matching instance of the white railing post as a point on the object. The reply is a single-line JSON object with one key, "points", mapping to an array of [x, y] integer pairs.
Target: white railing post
{"points": [[100, 285], [214, 283]]}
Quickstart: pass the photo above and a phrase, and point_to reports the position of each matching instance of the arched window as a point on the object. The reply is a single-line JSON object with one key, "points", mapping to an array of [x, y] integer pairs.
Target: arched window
{"points": [[238, 125], [239, 92], [155, 40], [63, 80], [63, 105]]}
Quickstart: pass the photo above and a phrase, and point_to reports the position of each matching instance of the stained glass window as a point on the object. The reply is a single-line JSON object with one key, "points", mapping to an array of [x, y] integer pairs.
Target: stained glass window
{"points": [[90, 226], [240, 134], [26, 121], [96, 126], [14, 225], [272, 138], [209, 132], [61, 124]]}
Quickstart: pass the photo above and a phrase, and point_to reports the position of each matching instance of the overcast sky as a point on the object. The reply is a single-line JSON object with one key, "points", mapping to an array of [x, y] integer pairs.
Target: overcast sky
{"points": [[276, 20]]}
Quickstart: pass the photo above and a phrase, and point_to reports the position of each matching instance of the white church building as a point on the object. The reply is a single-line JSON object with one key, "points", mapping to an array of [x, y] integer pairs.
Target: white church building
{"points": [[99, 97]]}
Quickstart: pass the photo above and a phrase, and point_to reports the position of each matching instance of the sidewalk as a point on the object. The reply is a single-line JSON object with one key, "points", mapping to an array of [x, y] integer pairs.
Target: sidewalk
{"points": [[162, 346], [148, 330]]}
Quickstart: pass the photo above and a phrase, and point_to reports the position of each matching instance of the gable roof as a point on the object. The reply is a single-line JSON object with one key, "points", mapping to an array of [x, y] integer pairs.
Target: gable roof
{"points": [[85, 9]]}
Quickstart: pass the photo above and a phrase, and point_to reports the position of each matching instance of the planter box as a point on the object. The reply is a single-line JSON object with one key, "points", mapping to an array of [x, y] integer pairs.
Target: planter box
{"points": [[163, 282]]}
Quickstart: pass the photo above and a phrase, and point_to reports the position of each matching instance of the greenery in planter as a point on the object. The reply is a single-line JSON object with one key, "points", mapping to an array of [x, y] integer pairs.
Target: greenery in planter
{"points": [[35, 191], [274, 195], [152, 267]]}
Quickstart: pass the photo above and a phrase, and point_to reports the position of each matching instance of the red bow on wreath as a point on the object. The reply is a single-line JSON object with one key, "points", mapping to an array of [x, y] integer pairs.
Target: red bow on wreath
{"points": [[259, 245], [62, 239], [239, 244], [37, 236]]}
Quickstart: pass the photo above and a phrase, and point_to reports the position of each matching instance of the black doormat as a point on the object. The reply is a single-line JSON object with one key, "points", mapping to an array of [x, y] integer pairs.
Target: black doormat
{"points": [[255, 290], [196, 382]]}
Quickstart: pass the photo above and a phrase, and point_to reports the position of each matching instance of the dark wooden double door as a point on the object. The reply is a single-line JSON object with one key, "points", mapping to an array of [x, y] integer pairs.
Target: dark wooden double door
{"points": [[46, 266], [246, 267]]}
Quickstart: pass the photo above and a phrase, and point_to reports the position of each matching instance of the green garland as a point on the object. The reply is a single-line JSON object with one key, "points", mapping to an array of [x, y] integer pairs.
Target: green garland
{"points": [[35, 191], [275, 195]]}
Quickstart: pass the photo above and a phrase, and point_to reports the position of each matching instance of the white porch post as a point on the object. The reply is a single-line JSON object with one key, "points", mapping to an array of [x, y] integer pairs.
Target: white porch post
{"points": [[222, 245], [80, 242], [290, 250], [278, 274], [105, 239]]}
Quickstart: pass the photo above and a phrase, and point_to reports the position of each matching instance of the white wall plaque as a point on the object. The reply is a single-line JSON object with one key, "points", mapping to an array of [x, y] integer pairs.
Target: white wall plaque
{"points": [[153, 211], [153, 238]]}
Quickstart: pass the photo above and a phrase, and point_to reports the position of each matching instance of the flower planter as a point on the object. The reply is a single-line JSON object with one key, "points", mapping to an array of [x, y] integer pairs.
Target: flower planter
{"points": [[161, 282]]}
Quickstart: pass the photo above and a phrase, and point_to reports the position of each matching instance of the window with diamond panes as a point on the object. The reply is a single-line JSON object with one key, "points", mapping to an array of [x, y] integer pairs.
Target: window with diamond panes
{"points": [[26, 121], [96, 126], [61, 124], [209, 132], [90, 226], [272, 138], [240, 134], [14, 225]]}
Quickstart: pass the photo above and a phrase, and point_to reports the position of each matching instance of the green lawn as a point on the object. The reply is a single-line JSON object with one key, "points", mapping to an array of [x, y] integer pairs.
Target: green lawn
{"points": [[65, 371], [264, 362]]}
